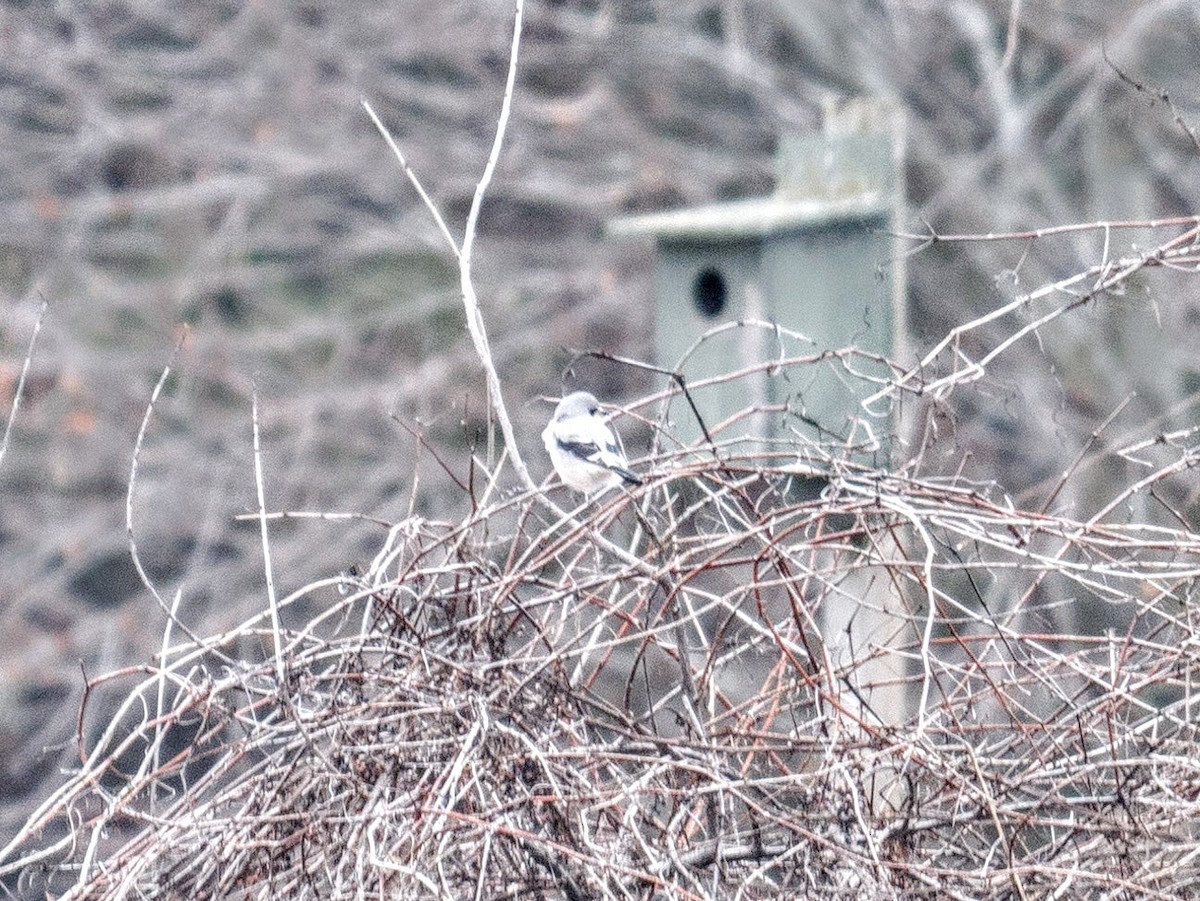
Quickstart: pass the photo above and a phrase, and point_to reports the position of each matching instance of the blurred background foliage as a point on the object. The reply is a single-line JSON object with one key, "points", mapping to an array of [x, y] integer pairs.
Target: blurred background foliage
{"points": [[210, 165]]}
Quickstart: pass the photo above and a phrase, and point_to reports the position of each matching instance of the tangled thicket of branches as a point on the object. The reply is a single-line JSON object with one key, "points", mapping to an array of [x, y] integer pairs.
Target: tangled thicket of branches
{"points": [[724, 684]]}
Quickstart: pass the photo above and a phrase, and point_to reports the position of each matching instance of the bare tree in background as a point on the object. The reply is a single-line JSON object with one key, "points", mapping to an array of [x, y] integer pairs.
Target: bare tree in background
{"points": [[457, 704]]}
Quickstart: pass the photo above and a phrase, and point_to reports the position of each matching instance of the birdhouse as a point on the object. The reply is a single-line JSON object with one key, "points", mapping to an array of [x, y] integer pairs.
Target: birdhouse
{"points": [[818, 257]]}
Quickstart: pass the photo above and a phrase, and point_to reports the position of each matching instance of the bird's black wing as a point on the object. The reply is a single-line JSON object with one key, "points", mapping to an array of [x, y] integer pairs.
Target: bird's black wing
{"points": [[606, 456]]}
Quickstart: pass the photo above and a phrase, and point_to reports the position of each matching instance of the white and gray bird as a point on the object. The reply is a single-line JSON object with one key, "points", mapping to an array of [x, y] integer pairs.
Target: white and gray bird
{"points": [[582, 447]]}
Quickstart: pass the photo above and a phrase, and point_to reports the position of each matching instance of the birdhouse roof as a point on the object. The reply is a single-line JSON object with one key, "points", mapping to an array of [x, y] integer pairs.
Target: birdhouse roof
{"points": [[757, 217]]}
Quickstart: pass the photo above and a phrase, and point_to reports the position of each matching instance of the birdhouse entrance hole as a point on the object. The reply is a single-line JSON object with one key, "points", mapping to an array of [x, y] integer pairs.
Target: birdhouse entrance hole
{"points": [[709, 293]]}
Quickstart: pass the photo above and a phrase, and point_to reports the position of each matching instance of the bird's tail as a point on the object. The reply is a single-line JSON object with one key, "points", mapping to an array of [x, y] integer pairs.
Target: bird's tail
{"points": [[630, 477]]}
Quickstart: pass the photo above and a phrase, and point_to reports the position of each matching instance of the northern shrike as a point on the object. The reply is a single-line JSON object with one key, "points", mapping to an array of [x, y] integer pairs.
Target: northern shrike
{"points": [[582, 447]]}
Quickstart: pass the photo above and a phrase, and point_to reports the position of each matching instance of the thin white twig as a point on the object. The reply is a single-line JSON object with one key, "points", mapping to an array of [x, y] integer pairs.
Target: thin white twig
{"points": [[16, 404], [276, 632], [412, 177], [474, 317], [170, 611], [475, 324]]}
